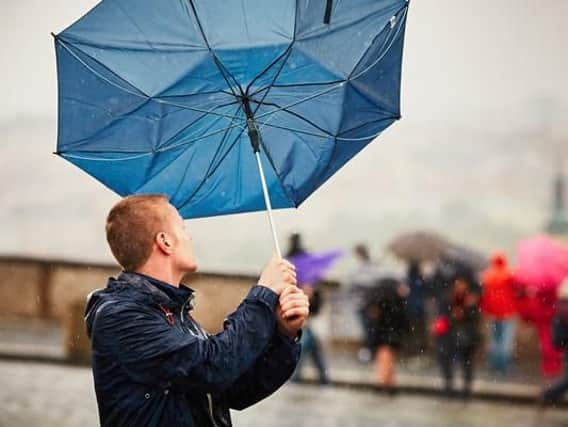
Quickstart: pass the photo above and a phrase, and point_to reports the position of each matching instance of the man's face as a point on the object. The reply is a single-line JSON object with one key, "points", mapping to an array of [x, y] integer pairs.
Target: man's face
{"points": [[183, 253]]}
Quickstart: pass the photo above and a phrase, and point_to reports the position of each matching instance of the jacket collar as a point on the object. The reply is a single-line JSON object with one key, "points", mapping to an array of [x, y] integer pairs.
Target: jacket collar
{"points": [[159, 292]]}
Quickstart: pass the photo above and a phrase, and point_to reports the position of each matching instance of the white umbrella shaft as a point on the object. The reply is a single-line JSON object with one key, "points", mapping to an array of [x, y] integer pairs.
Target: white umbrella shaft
{"points": [[268, 204]]}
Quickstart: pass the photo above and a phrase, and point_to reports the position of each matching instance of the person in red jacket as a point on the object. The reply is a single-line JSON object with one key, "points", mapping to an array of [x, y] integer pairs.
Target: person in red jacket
{"points": [[498, 304]]}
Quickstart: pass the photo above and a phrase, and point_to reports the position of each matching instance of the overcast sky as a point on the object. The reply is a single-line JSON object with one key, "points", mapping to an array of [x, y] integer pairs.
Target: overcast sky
{"points": [[485, 99]]}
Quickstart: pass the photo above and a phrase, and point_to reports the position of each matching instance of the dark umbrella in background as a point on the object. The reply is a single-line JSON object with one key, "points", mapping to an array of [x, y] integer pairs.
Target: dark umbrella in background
{"points": [[227, 107], [419, 246], [466, 257]]}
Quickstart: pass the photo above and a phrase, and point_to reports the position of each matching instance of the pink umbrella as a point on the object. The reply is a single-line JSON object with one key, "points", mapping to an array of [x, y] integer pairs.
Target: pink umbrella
{"points": [[542, 263]]}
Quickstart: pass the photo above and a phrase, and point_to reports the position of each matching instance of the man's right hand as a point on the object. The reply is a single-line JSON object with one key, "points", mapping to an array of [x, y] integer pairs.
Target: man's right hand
{"points": [[278, 274]]}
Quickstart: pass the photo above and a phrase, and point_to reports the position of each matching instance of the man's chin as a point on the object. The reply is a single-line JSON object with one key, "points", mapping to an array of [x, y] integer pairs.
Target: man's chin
{"points": [[191, 268]]}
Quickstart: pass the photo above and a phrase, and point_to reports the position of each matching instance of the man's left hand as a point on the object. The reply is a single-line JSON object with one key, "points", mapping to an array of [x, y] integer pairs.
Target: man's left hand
{"points": [[292, 311]]}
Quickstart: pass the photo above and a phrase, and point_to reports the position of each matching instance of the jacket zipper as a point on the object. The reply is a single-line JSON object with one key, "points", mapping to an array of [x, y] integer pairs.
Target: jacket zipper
{"points": [[182, 310], [209, 398]]}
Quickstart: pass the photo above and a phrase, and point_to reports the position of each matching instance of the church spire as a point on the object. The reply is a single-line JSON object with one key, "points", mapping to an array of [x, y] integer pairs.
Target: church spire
{"points": [[558, 223]]}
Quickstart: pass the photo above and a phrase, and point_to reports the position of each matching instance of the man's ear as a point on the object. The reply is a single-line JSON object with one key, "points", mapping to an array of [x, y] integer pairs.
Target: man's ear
{"points": [[164, 242]]}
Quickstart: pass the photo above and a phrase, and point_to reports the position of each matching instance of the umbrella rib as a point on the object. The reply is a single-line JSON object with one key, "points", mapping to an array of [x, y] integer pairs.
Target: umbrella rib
{"points": [[207, 92], [82, 141], [216, 60], [161, 46], [279, 57], [369, 48], [363, 125], [212, 169], [289, 50], [207, 172], [285, 109], [264, 71], [301, 101], [339, 138], [308, 146], [299, 116], [201, 137], [141, 94], [171, 147], [199, 110], [376, 61], [295, 130], [98, 159], [293, 85], [195, 121]]}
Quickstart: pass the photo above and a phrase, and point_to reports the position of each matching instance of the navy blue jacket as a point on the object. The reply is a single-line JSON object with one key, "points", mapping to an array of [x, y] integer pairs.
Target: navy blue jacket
{"points": [[153, 365]]}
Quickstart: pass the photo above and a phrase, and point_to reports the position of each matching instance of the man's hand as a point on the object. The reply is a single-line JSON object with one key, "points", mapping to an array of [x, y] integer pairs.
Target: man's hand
{"points": [[278, 275], [292, 311]]}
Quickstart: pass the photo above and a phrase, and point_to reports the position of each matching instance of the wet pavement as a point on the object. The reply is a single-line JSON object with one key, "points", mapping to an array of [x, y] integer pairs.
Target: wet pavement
{"points": [[47, 395], [40, 341]]}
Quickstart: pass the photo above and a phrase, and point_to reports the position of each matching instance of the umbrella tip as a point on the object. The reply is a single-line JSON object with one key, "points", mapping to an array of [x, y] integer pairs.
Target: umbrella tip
{"points": [[53, 35]]}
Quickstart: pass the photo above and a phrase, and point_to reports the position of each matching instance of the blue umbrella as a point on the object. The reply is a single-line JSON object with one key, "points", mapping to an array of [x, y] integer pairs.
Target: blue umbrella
{"points": [[198, 99]]}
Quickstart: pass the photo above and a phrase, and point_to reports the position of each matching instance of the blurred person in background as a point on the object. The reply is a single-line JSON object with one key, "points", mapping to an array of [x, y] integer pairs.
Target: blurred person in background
{"points": [[385, 314], [498, 304], [560, 337], [366, 275], [457, 331], [415, 306], [536, 306], [153, 364], [311, 345]]}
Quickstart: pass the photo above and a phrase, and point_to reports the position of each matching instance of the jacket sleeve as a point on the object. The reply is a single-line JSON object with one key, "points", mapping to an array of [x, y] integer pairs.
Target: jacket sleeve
{"points": [[151, 351], [270, 371]]}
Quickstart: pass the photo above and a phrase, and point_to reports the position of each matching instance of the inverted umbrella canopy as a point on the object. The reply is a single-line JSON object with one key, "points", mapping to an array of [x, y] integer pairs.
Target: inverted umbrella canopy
{"points": [[167, 96]]}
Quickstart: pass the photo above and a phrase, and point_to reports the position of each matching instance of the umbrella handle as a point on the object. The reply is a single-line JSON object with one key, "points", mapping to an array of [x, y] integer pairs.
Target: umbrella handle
{"points": [[268, 204]]}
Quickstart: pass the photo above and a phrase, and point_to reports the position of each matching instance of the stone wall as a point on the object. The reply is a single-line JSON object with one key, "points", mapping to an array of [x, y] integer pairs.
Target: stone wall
{"points": [[56, 291], [47, 289]]}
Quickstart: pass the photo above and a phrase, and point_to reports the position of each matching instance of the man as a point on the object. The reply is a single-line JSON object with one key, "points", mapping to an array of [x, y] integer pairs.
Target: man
{"points": [[153, 365]]}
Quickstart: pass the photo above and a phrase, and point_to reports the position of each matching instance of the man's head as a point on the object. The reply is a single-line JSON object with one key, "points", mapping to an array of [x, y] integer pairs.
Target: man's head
{"points": [[147, 229]]}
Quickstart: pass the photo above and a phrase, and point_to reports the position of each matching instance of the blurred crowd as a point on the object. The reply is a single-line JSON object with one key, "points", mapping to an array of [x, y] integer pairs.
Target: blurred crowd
{"points": [[447, 305]]}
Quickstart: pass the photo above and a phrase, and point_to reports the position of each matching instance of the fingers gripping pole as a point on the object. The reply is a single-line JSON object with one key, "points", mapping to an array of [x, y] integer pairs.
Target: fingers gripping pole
{"points": [[268, 204]]}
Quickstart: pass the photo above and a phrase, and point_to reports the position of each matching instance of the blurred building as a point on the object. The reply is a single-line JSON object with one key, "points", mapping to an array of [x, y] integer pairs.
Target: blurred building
{"points": [[558, 223]]}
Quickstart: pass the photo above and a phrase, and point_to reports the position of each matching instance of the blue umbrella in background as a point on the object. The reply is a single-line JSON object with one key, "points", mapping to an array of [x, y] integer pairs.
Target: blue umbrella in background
{"points": [[227, 106]]}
